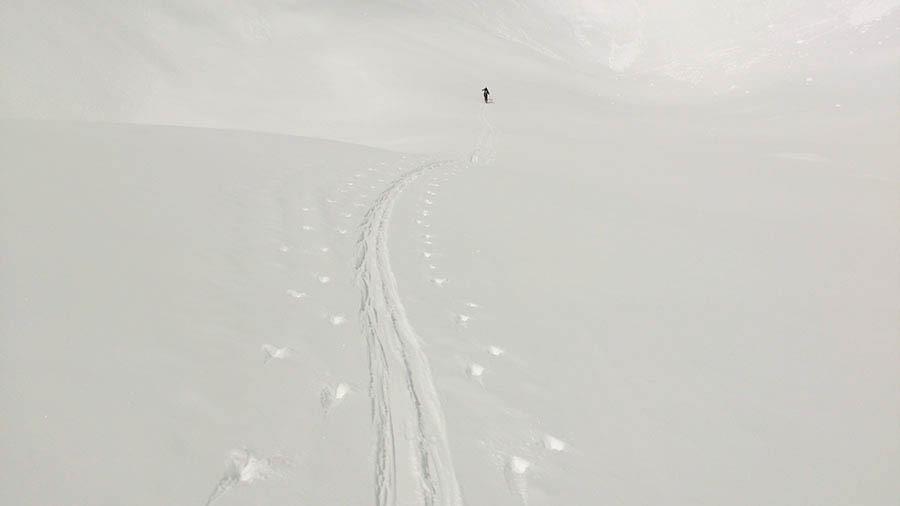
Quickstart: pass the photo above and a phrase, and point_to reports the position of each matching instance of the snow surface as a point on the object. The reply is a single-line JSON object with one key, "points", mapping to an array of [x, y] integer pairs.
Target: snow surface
{"points": [[267, 252]]}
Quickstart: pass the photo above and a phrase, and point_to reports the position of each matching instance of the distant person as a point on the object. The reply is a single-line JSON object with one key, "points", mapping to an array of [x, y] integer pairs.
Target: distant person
{"points": [[487, 95]]}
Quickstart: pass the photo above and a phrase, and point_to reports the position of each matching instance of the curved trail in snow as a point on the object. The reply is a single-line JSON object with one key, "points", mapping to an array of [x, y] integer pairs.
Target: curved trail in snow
{"points": [[406, 409], [402, 390]]}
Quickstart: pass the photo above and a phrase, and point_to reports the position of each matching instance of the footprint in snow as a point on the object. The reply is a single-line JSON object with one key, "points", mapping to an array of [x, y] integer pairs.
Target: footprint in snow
{"points": [[473, 305], [307, 228], [554, 444], [516, 471], [284, 248], [295, 294], [432, 267], [324, 249], [347, 215], [496, 351], [243, 467], [342, 231], [463, 319], [323, 279], [273, 352], [439, 282], [332, 397], [337, 320], [427, 254], [475, 371]]}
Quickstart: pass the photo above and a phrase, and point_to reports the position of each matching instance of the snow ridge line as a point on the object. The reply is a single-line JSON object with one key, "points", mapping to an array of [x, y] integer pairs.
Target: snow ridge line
{"points": [[401, 386]]}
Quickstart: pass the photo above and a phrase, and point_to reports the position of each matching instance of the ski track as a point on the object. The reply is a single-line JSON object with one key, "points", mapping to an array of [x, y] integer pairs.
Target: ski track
{"points": [[484, 152], [402, 390]]}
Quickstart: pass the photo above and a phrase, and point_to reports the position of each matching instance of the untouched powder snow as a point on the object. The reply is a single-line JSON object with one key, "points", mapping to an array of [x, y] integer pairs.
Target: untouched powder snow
{"points": [[660, 268]]}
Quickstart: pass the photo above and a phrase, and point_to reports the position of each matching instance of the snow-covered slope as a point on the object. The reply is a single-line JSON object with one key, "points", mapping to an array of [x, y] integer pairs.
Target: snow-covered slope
{"points": [[400, 73], [659, 269]]}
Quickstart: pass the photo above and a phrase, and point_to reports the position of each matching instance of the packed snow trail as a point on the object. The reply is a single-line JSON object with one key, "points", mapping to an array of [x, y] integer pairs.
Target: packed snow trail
{"points": [[401, 386], [483, 153]]}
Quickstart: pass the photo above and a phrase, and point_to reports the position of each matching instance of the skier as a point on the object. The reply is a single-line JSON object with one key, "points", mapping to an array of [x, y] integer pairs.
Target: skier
{"points": [[487, 94]]}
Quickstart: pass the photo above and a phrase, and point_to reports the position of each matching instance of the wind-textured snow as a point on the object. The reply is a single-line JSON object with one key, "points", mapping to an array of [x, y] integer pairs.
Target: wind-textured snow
{"points": [[267, 252]]}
